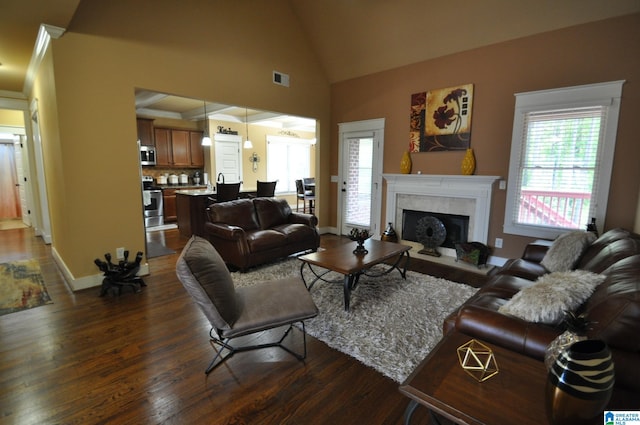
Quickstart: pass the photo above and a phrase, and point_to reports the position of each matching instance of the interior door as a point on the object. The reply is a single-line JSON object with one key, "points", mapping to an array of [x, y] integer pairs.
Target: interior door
{"points": [[228, 161], [360, 176], [9, 185], [22, 167]]}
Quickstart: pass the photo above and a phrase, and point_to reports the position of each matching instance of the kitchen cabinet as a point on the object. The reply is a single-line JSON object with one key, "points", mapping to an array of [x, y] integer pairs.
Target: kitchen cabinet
{"points": [[180, 148], [145, 131], [163, 147], [197, 151], [169, 200], [176, 148]]}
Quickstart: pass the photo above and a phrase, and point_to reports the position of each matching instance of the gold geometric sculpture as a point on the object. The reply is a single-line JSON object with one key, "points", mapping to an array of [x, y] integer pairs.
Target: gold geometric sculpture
{"points": [[477, 360]]}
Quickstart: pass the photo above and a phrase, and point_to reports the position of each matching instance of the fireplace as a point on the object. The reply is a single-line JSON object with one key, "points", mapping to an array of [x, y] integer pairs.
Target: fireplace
{"points": [[457, 226], [458, 196]]}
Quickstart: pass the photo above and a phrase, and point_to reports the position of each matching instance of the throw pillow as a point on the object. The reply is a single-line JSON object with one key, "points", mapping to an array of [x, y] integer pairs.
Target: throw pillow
{"points": [[205, 276], [551, 295], [566, 250]]}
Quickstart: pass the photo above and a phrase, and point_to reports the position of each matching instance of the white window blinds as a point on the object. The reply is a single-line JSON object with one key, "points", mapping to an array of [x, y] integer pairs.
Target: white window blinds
{"points": [[559, 165], [288, 159]]}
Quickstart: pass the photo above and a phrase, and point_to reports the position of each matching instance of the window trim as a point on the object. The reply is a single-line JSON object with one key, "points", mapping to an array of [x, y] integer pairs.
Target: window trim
{"points": [[605, 94]]}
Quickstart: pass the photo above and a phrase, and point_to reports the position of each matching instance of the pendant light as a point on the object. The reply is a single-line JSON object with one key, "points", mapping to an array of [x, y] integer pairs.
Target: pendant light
{"points": [[247, 143], [206, 140]]}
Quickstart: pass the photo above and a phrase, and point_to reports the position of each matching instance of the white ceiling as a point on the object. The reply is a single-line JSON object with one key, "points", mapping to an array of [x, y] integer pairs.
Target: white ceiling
{"points": [[158, 105]]}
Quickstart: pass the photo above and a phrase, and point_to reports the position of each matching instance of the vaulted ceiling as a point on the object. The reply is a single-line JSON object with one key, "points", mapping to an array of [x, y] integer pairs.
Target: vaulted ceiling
{"points": [[351, 37]]}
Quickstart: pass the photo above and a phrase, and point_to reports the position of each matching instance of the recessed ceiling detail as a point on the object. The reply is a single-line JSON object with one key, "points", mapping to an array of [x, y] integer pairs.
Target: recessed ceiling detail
{"points": [[160, 105]]}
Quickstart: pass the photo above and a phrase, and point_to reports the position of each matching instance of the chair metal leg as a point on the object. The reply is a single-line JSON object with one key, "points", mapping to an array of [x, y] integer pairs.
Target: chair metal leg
{"points": [[224, 344]]}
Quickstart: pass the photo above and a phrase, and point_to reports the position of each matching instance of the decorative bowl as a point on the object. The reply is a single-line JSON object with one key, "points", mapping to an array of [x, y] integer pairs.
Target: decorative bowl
{"points": [[359, 235]]}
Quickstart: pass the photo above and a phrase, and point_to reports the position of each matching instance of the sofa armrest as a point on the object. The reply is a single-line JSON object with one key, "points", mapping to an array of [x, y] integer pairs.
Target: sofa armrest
{"points": [[535, 251], [301, 218], [224, 231], [510, 332]]}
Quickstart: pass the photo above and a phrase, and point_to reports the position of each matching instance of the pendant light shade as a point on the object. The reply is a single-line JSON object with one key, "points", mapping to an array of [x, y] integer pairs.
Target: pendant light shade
{"points": [[247, 143], [206, 140]]}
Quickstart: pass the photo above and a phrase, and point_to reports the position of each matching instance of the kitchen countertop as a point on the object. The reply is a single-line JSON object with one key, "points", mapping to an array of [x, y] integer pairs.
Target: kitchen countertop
{"points": [[196, 192], [182, 186]]}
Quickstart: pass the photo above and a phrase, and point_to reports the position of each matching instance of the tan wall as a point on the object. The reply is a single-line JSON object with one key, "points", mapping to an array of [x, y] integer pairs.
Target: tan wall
{"points": [[219, 52], [596, 52], [11, 118]]}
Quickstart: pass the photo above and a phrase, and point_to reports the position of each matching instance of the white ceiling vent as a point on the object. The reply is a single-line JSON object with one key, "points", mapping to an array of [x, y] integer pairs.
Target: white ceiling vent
{"points": [[280, 79]]}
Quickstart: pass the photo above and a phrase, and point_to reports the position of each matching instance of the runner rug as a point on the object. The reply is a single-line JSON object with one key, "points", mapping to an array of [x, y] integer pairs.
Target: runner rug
{"points": [[21, 286], [392, 323], [156, 249]]}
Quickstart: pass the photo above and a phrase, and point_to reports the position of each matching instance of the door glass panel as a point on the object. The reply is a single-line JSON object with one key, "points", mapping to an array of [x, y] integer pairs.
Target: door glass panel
{"points": [[358, 185]]}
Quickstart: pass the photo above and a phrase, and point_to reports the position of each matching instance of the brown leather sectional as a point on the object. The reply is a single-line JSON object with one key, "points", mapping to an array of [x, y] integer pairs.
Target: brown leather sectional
{"points": [[613, 309], [249, 232]]}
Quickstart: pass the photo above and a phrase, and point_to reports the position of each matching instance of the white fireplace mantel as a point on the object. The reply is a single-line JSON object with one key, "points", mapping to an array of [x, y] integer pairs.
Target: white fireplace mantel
{"points": [[476, 188]]}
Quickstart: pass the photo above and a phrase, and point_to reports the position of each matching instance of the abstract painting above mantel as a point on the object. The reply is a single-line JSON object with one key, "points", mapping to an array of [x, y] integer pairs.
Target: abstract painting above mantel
{"points": [[441, 119]]}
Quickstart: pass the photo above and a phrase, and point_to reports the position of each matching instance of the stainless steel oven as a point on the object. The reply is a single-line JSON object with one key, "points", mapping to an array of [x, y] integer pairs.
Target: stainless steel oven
{"points": [[152, 202]]}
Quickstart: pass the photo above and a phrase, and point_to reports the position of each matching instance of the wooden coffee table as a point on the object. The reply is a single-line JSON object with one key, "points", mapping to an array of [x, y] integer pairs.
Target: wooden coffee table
{"points": [[341, 259], [514, 396]]}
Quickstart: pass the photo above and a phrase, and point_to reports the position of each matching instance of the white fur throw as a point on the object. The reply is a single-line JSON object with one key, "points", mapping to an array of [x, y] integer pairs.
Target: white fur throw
{"points": [[551, 295], [566, 250]]}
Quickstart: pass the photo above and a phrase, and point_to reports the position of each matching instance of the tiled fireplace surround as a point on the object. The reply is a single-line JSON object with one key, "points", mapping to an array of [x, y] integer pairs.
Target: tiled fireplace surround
{"points": [[446, 194]]}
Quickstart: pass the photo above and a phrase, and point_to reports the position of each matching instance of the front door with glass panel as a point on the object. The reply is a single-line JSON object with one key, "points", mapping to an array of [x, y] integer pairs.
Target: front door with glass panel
{"points": [[360, 178]]}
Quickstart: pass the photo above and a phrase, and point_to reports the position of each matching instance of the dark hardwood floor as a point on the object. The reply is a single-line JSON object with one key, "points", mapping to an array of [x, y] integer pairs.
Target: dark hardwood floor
{"points": [[140, 358]]}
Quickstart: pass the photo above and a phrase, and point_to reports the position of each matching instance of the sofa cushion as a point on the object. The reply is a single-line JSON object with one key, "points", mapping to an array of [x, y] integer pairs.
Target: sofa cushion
{"points": [[235, 213], [521, 268], [205, 276], [262, 240], [271, 212], [295, 232], [552, 295], [566, 250]]}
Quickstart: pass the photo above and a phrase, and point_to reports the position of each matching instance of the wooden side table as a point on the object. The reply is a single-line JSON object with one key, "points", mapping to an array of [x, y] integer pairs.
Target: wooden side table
{"points": [[514, 396]]}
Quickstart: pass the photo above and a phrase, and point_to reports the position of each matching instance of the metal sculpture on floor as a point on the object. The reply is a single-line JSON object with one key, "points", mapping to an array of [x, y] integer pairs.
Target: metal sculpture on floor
{"points": [[123, 274]]}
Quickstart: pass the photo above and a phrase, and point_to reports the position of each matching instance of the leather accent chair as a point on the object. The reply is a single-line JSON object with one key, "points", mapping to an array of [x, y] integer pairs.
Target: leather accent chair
{"points": [[234, 312]]}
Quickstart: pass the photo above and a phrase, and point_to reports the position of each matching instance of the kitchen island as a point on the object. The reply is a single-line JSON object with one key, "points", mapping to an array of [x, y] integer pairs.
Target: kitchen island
{"points": [[191, 206]]}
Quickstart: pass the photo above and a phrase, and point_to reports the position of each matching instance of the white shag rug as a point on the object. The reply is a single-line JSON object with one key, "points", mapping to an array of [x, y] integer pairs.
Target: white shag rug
{"points": [[392, 323]]}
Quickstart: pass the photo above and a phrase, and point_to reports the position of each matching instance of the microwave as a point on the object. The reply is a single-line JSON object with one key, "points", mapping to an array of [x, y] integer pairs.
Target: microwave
{"points": [[147, 155]]}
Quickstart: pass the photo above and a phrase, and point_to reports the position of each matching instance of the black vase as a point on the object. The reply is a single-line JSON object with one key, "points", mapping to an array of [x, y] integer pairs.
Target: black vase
{"points": [[580, 383]]}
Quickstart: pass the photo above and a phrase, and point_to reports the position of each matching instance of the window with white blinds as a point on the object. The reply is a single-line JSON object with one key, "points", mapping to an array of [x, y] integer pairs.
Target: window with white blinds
{"points": [[561, 159], [288, 159]]}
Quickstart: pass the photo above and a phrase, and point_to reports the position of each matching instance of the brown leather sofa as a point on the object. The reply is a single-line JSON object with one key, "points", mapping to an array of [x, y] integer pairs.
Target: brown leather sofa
{"points": [[613, 309], [248, 232]]}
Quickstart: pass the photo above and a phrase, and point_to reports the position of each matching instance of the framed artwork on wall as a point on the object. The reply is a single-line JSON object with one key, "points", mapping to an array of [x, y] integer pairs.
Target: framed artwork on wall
{"points": [[441, 119]]}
